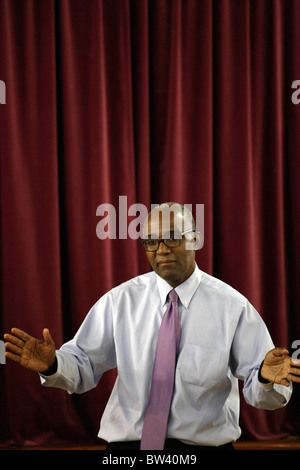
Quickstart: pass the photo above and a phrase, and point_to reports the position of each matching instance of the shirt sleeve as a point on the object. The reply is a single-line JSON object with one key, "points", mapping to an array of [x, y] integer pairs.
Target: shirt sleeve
{"points": [[251, 343], [82, 361]]}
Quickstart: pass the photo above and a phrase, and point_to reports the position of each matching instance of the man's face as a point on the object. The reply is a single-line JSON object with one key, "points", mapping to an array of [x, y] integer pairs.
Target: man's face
{"points": [[174, 264]]}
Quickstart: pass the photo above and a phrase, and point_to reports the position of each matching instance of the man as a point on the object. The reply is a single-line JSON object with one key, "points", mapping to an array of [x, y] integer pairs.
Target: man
{"points": [[220, 339]]}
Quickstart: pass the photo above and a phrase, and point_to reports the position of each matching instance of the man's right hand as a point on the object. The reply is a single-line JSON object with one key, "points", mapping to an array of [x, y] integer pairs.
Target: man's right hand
{"points": [[32, 353]]}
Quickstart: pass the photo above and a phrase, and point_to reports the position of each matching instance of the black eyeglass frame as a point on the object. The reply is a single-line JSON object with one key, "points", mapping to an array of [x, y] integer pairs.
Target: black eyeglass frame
{"points": [[164, 241]]}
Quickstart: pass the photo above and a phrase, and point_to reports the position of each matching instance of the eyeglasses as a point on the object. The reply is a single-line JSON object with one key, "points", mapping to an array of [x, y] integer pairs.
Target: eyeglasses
{"points": [[152, 244]]}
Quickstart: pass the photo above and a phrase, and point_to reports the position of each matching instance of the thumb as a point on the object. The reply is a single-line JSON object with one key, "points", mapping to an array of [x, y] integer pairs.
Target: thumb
{"points": [[280, 351], [47, 336]]}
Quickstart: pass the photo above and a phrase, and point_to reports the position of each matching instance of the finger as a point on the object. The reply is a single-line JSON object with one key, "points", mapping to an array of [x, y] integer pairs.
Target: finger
{"points": [[279, 352], [293, 378], [13, 357], [21, 334], [295, 370], [14, 349], [47, 336], [295, 362], [285, 382], [14, 340]]}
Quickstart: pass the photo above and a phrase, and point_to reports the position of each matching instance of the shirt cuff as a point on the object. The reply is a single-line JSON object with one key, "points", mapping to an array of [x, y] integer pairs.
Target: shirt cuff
{"points": [[52, 369], [260, 378]]}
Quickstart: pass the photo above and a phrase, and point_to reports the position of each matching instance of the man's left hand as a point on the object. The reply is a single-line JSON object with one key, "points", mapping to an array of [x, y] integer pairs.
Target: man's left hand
{"points": [[279, 368]]}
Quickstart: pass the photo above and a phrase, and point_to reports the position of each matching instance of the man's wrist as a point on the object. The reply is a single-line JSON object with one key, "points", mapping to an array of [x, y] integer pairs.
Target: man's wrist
{"points": [[260, 377], [52, 369]]}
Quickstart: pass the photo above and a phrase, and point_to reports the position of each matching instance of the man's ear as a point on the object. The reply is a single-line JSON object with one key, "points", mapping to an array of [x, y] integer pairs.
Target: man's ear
{"points": [[194, 241]]}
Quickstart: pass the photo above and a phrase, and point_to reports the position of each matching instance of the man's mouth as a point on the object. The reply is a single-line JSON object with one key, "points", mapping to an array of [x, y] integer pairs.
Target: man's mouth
{"points": [[166, 262]]}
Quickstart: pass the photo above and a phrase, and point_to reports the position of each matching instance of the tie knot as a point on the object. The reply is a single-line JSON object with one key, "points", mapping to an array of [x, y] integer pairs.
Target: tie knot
{"points": [[173, 296]]}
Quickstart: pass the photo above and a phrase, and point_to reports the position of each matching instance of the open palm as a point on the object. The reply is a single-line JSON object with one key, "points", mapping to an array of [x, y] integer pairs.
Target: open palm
{"points": [[34, 354], [279, 368]]}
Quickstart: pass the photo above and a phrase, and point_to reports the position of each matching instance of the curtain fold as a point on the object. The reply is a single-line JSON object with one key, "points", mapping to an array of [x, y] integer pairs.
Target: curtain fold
{"points": [[161, 100]]}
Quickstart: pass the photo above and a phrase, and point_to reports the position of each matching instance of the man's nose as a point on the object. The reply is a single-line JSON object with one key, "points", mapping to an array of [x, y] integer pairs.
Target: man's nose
{"points": [[162, 248]]}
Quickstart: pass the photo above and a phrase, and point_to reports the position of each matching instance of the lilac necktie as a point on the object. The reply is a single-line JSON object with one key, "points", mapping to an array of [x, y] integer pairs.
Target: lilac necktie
{"points": [[155, 424]]}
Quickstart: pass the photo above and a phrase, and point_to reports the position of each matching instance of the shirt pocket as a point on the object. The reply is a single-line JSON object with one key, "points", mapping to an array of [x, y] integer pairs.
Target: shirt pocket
{"points": [[201, 365]]}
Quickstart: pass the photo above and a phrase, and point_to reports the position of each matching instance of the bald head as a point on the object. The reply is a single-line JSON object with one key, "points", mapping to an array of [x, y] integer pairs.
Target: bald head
{"points": [[169, 218]]}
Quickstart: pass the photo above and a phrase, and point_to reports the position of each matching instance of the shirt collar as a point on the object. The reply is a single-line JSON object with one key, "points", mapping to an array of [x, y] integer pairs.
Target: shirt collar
{"points": [[185, 290]]}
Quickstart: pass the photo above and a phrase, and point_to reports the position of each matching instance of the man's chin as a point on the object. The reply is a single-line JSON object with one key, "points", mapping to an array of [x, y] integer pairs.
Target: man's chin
{"points": [[168, 272]]}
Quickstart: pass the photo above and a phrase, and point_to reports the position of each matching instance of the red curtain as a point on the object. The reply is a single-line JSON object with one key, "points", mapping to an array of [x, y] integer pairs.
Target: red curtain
{"points": [[158, 100]]}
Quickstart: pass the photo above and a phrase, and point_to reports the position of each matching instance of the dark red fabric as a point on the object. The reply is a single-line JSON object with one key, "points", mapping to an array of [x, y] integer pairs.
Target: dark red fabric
{"points": [[154, 100]]}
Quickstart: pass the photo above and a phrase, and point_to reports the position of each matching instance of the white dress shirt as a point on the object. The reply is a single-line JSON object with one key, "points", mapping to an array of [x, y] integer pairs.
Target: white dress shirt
{"points": [[223, 339]]}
